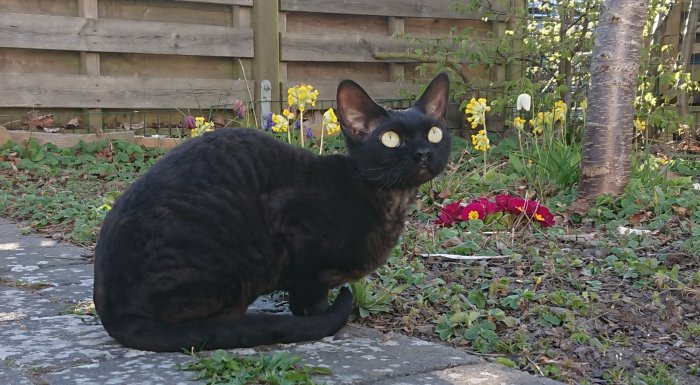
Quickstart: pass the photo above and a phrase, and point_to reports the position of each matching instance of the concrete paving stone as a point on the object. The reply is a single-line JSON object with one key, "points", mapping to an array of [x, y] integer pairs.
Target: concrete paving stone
{"points": [[150, 369], [70, 293], [79, 274], [16, 304], [9, 376], [481, 374], [59, 341], [362, 355]]}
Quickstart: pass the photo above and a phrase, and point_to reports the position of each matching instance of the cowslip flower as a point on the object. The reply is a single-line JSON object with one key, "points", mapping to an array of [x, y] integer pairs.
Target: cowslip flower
{"points": [[281, 124], [201, 126], [476, 111], [519, 123], [301, 95], [640, 125], [560, 109], [330, 122], [481, 141], [541, 121]]}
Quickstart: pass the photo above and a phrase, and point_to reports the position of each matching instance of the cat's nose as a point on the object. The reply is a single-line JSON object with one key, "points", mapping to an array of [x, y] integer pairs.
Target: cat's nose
{"points": [[422, 154]]}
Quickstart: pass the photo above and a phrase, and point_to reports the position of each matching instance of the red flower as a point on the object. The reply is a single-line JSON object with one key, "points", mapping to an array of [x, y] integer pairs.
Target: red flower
{"points": [[502, 201], [474, 210], [544, 216], [450, 213], [490, 207]]}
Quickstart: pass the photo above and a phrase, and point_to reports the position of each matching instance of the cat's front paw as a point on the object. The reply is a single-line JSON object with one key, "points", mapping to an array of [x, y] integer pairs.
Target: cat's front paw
{"points": [[343, 302]]}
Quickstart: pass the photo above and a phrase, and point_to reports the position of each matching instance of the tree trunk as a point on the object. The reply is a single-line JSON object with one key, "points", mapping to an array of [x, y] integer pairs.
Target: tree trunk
{"points": [[608, 134], [691, 26]]}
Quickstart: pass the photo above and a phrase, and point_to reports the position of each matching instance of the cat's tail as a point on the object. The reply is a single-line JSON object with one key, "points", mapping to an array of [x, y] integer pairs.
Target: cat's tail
{"points": [[243, 330]]}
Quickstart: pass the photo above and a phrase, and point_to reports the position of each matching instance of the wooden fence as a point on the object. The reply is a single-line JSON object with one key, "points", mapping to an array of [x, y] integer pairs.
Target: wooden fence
{"points": [[105, 56]]}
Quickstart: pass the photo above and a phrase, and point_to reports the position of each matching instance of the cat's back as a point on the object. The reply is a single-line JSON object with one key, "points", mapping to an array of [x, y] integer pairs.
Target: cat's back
{"points": [[207, 188]]}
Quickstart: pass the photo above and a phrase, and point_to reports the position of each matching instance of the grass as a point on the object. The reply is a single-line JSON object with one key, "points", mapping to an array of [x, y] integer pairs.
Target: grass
{"points": [[602, 307]]}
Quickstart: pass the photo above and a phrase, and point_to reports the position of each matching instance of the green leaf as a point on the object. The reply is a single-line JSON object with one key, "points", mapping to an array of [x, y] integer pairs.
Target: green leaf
{"points": [[507, 362]]}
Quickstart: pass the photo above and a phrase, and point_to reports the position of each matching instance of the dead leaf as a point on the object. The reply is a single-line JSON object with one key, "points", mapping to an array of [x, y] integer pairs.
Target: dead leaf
{"points": [[444, 194], [218, 121], [642, 216], [73, 123], [132, 126], [680, 210], [452, 242], [40, 121]]}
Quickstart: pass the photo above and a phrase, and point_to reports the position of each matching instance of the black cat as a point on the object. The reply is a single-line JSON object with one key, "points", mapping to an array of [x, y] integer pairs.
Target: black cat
{"points": [[233, 214]]}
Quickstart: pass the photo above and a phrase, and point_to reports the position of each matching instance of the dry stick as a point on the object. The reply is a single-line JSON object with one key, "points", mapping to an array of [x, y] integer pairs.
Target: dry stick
{"points": [[250, 94]]}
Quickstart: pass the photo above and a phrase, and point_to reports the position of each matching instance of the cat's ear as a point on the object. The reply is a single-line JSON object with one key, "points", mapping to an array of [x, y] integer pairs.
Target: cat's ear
{"points": [[358, 113], [434, 99]]}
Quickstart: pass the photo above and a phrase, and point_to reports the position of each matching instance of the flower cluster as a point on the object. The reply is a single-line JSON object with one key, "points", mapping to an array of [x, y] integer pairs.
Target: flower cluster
{"points": [[479, 209], [519, 123], [481, 141], [476, 111], [640, 125], [280, 123], [200, 126], [560, 109], [330, 122], [301, 95], [542, 120]]}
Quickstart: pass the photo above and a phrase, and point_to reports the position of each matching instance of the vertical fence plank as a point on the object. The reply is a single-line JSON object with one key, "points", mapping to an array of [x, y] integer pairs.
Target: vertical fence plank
{"points": [[395, 70], [90, 62], [266, 63]]}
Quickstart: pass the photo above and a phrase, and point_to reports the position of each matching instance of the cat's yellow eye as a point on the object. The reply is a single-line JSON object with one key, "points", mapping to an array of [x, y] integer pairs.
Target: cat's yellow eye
{"points": [[390, 139], [435, 135]]}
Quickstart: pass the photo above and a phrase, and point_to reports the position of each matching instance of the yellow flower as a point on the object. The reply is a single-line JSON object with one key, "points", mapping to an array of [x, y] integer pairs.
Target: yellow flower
{"points": [[301, 95], [201, 126], [476, 111], [330, 122], [640, 125], [481, 141], [518, 123], [541, 121], [560, 111], [288, 114], [509, 32], [281, 123]]}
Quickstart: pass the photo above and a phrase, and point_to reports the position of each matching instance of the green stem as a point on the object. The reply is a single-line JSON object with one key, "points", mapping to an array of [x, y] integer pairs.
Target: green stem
{"points": [[302, 134], [320, 149]]}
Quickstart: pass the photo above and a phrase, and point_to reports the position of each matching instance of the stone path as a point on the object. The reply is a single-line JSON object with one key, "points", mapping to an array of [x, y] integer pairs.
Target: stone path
{"points": [[43, 341]]}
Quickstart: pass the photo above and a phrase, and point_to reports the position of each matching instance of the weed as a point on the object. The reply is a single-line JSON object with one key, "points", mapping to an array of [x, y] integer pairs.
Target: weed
{"points": [[279, 368]]}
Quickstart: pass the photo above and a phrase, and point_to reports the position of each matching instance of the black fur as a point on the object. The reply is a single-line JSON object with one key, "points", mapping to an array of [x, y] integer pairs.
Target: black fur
{"points": [[234, 214]]}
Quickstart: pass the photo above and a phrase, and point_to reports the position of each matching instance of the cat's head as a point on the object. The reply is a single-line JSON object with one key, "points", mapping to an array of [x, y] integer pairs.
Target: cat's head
{"points": [[396, 148]]}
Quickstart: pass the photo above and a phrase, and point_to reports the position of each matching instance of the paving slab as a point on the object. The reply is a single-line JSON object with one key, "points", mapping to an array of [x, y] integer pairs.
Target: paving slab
{"points": [[40, 345], [17, 304]]}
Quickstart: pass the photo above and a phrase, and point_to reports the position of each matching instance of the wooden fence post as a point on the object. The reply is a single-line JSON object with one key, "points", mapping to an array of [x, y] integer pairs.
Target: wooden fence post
{"points": [[90, 62], [266, 62]]}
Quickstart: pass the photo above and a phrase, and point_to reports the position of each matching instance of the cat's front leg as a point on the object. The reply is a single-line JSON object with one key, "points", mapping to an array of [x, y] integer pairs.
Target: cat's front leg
{"points": [[309, 299]]}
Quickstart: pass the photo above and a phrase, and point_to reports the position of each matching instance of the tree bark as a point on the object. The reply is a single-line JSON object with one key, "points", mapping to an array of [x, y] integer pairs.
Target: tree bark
{"points": [[608, 134], [686, 56]]}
